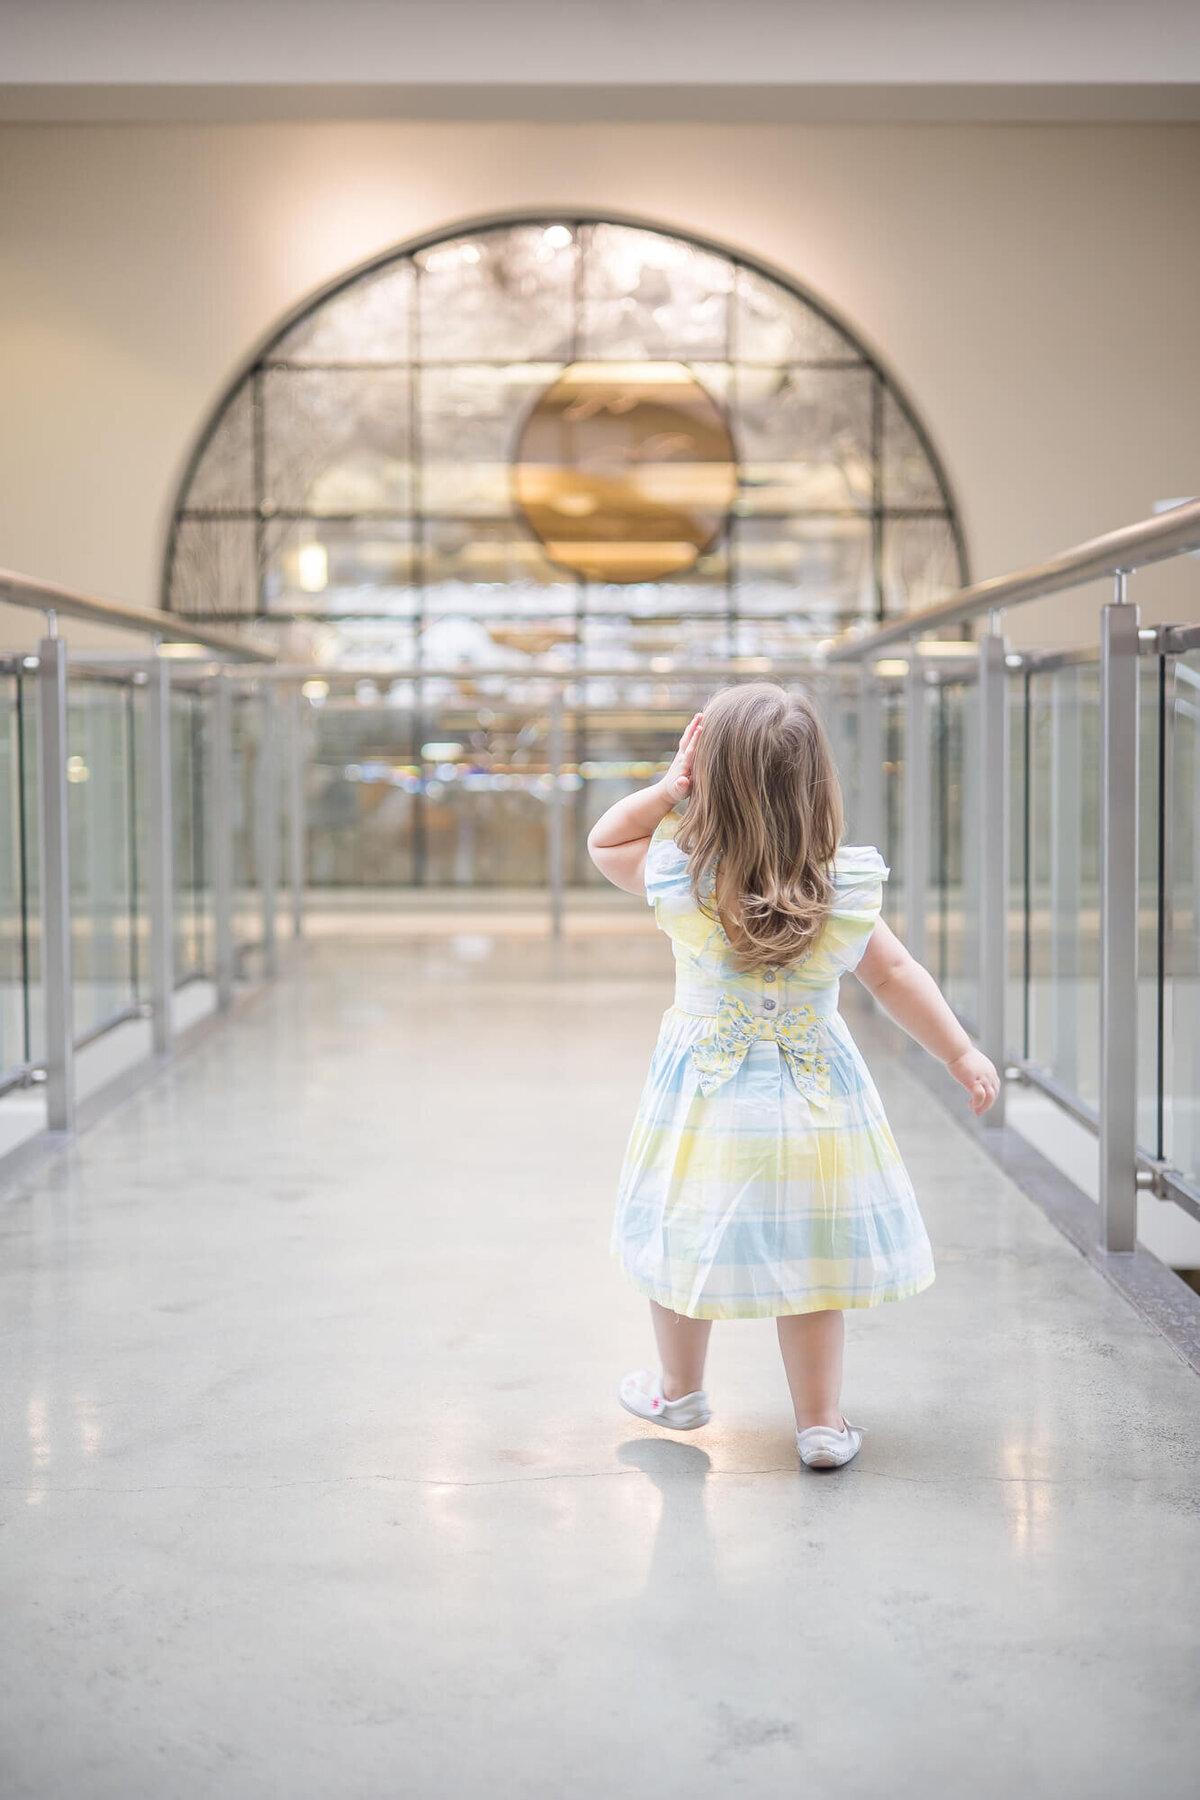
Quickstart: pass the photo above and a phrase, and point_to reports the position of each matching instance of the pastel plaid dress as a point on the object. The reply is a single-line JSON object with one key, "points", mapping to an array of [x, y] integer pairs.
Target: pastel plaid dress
{"points": [[761, 1176]]}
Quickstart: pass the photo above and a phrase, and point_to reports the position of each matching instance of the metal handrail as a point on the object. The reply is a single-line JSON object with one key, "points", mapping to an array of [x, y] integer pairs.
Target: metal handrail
{"points": [[559, 677], [44, 597], [1179, 640], [1152, 540]]}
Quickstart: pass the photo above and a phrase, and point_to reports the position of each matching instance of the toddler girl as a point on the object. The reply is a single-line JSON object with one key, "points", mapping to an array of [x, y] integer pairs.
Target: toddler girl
{"points": [[761, 1178]]}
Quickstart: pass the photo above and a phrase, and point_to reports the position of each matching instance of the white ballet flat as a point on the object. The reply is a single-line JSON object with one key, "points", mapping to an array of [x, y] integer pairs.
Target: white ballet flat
{"points": [[821, 1447], [641, 1394]]}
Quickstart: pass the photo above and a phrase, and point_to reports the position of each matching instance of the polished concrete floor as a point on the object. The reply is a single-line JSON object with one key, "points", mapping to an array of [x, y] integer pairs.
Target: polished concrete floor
{"points": [[315, 1485]]}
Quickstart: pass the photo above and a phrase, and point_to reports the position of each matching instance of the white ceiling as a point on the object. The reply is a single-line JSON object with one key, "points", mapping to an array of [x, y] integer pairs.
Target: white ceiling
{"points": [[600, 58]]}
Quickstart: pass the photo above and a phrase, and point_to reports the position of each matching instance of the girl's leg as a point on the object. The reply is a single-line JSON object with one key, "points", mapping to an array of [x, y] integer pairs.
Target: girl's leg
{"points": [[682, 1347], [811, 1344]]}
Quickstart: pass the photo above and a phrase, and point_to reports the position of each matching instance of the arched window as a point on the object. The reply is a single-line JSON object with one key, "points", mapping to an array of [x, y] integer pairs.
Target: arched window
{"points": [[588, 439]]}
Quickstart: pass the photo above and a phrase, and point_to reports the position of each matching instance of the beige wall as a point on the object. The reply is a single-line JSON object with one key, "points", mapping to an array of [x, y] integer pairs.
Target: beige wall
{"points": [[1034, 289]]}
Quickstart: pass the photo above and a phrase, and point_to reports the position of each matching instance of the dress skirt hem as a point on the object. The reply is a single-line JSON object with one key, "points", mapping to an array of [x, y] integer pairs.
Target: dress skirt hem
{"points": [[830, 1300]]}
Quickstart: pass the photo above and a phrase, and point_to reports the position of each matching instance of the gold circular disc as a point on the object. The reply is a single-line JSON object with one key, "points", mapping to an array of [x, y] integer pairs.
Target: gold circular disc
{"points": [[625, 471]]}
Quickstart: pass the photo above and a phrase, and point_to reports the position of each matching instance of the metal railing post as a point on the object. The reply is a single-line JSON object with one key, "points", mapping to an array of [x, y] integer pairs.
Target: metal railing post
{"points": [[835, 705], [220, 825], [267, 825], [297, 705], [54, 836], [916, 805], [554, 821], [993, 854], [160, 875], [868, 824], [1118, 920]]}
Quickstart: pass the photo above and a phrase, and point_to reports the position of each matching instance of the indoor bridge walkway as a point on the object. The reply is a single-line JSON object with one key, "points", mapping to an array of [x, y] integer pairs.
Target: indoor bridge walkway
{"points": [[316, 1484]]}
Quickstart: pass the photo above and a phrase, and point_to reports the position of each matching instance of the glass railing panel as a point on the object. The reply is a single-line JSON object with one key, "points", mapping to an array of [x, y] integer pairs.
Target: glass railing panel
{"points": [[1181, 991], [246, 733], [448, 786], [1016, 987], [937, 927], [15, 922], [1064, 878], [485, 788], [27, 700], [1150, 676], [193, 922], [954, 920], [362, 795], [455, 794], [838, 701], [102, 805], [892, 700], [966, 986]]}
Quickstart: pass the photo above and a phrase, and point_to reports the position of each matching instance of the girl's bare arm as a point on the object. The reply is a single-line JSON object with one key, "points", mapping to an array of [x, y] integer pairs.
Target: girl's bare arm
{"points": [[909, 994], [620, 838]]}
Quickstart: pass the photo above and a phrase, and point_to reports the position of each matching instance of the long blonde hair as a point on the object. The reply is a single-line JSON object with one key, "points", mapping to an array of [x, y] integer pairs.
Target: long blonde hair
{"points": [[764, 821]]}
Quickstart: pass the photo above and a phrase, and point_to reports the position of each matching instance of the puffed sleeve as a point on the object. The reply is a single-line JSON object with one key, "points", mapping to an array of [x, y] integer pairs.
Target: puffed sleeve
{"points": [[668, 887], [859, 873]]}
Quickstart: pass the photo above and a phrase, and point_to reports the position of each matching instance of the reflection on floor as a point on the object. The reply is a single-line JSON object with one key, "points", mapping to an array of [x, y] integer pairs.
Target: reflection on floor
{"points": [[315, 1484], [104, 1061]]}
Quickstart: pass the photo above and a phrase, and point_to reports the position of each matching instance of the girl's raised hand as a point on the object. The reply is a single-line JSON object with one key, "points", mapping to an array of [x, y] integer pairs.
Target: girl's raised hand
{"points": [[973, 1071], [678, 778]]}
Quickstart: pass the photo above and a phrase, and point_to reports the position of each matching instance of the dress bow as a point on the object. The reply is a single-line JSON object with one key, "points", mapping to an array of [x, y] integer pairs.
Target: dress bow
{"points": [[796, 1031]]}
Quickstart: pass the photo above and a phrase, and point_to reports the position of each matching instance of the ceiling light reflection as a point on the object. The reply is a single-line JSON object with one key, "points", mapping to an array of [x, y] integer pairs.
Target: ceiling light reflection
{"points": [[313, 563]]}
